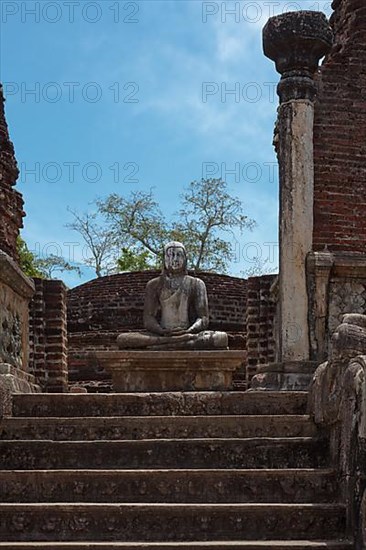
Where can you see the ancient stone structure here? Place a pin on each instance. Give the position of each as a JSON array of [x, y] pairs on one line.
[[176, 317], [99, 310], [337, 267], [11, 202], [176, 313], [340, 136], [219, 469], [48, 335], [337, 403], [202, 470], [179, 370], [295, 41], [260, 312], [16, 289]]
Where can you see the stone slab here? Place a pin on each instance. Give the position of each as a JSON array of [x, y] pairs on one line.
[[284, 376], [160, 404], [14, 381], [210, 486], [156, 427], [196, 545], [290, 367], [136, 371], [165, 453], [7, 369], [169, 522]]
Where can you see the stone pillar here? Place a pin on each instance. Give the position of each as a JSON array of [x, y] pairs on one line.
[[295, 41], [48, 335]]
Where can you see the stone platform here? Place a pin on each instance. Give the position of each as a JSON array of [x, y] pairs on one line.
[[139, 371]]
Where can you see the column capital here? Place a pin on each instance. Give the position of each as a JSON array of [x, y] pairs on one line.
[[296, 41]]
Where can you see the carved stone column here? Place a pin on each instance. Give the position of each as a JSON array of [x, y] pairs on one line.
[[319, 267], [295, 41]]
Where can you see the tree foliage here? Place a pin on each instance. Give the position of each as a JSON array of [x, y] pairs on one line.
[[44, 268], [206, 221], [99, 252], [208, 213], [136, 221], [130, 260], [53, 264], [27, 260]]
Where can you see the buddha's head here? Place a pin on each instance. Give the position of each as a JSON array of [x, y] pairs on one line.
[[175, 258]]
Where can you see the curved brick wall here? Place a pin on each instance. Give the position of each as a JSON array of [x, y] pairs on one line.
[[340, 135], [100, 309], [116, 302]]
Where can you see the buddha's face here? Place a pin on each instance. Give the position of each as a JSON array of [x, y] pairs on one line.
[[175, 259]]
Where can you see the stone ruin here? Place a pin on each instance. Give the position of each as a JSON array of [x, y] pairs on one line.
[[285, 460]]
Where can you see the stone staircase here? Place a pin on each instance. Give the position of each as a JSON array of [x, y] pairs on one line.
[[166, 471]]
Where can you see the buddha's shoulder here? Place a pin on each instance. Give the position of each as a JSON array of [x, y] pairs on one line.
[[154, 283], [195, 281]]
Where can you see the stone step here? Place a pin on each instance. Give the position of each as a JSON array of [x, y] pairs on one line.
[[167, 427], [232, 545], [210, 486], [169, 522], [160, 404], [165, 453]]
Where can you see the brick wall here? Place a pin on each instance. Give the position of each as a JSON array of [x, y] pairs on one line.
[[116, 302], [11, 202], [100, 309], [340, 135], [48, 335], [260, 319]]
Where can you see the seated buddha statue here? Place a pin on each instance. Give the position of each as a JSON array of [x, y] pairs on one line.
[[175, 310]]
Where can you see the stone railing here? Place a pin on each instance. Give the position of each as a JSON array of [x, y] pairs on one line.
[[337, 402]]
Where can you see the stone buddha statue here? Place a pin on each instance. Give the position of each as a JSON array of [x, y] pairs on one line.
[[175, 311]]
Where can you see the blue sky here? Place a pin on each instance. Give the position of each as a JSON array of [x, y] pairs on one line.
[[115, 96]]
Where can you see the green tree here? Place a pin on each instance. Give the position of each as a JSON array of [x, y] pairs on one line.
[[44, 268], [209, 214], [136, 222], [53, 264], [27, 260], [130, 260]]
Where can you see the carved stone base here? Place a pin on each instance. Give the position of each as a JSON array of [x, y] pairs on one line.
[[14, 380], [289, 376], [140, 371], [16, 290]]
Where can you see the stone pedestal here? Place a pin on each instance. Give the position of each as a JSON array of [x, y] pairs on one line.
[[144, 371]]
